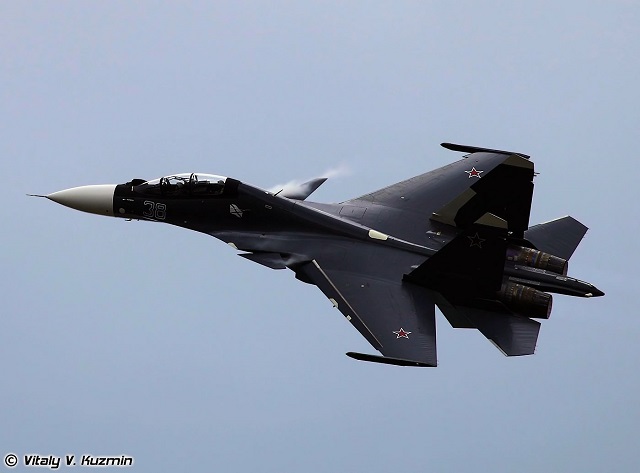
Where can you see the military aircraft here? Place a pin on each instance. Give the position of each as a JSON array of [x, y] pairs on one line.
[[457, 237]]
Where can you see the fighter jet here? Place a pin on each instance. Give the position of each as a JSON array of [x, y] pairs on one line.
[[457, 237]]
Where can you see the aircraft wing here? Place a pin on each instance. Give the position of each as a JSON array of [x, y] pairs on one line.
[[396, 317], [486, 181]]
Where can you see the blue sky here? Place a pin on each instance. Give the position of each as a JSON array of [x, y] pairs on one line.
[[142, 339]]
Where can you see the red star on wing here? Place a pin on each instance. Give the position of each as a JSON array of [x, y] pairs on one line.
[[402, 333], [474, 173]]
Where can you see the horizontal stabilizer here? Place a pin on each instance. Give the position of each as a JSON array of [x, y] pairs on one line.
[[386, 360], [512, 334], [558, 237]]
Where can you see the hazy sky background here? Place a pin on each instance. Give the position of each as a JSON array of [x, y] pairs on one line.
[[147, 340]]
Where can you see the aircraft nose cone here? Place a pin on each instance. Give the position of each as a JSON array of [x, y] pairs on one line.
[[93, 199]]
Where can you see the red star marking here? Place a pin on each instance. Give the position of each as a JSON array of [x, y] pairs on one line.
[[474, 173], [402, 333]]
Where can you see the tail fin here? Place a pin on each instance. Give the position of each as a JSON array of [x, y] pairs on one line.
[[559, 237], [472, 262]]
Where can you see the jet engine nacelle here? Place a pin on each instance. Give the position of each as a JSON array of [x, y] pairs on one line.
[[526, 301], [537, 259]]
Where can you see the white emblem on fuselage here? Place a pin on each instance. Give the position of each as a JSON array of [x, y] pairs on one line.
[[235, 210]]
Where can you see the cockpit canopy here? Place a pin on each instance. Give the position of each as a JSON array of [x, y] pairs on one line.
[[194, 184]]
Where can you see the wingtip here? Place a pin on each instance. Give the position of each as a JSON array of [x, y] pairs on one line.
[[388, 360], [478, 149]]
